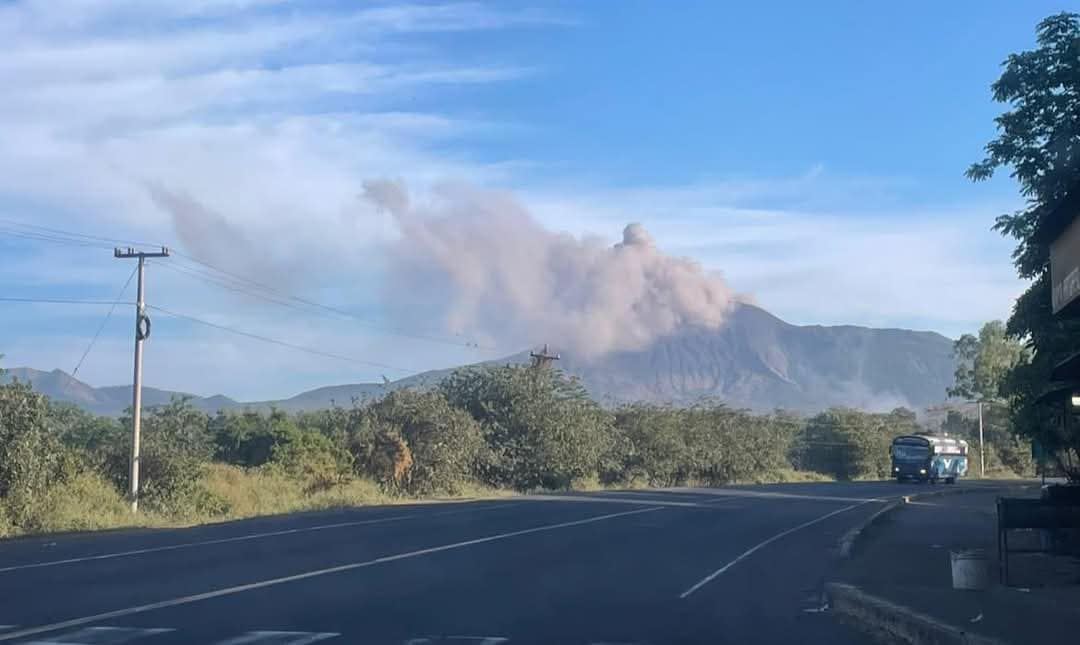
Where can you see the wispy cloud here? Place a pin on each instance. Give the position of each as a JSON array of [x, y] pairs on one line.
[[267, 116]]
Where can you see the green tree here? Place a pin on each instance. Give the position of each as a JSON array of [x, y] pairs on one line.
[[315, 458], [84, 433], [248, 438], [850, 444], [984, 362], [444, 444], [542, 428], [1038, 139], [656, 448]]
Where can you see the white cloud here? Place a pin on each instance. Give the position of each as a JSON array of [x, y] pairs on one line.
[[271, 116]]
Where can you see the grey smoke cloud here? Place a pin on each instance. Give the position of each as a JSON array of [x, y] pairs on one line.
[[480, 262], [211, 237]]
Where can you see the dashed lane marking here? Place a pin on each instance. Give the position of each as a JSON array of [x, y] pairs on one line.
[[608, 500], [280, 638], [228, 591], [244, 538], [102, 636], [747, 553], [735, 492]]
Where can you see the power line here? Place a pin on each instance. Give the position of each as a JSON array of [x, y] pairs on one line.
[[286, 299], [108, 315], [63, 301], [42, 237], [230, 286], [238, 283], [275, 341], [107, 241]]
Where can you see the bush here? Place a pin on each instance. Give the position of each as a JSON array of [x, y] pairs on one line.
[[651, 444], [727, 446], [246, 438], [314, 458], [174, 449], [846, 444], [87, 501], [542, 429], [31, 458], [7, 529], [422, 444]]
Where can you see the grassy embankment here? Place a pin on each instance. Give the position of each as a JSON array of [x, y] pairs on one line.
[[89, 502]]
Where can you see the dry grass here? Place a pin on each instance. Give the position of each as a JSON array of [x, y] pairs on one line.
[[788, 476], [89, 502]]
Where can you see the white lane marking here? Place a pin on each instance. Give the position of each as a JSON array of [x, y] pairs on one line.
[[606, 500], [227, 591], [242, 538], [483, 640], [102, 636], [280, 638], [747, 553], [734, 492]]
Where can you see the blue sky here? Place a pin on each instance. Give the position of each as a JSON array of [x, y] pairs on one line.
[[811, 153]]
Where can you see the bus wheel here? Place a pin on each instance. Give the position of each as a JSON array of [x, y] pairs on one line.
[[950, 480]]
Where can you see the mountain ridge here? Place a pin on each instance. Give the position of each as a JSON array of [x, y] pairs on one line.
[[755, 360]]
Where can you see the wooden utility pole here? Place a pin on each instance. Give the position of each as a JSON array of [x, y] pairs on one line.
[[543, 358], [142, 332], [982, 452]]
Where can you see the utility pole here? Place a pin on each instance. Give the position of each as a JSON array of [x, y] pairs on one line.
[[982, 453], [543, 358], [142, 332]]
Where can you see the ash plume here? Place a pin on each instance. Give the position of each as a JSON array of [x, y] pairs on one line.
[[480, 263]]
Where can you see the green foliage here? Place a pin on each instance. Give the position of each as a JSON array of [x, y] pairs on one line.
[[310, 456], [849, 444], [31, 458], [444, 444], [482, 430], [248, 438], [174, 449], [984, 362], [542, 429], [727, 446], [1037, 139], [652, 446], [83, 502]]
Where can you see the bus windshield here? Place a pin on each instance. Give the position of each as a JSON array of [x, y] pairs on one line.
[[910, 453]]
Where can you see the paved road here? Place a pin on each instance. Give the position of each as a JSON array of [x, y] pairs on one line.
[[732, 565]]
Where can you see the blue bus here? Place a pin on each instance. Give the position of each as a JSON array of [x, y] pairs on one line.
[[929, 458]]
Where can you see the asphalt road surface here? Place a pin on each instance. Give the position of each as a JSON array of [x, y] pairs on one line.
[[732, 565]]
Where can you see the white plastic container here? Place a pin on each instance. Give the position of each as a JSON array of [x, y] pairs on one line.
[[970, 569]]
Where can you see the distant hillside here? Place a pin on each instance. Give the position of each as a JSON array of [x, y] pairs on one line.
[[755, 361], [760, 362]]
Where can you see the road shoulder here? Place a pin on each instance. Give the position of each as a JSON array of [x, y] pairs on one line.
[[898, 582]]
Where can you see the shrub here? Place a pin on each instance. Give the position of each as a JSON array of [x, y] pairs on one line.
[[651, 443], [31, 458], [86, 501], [312, 457], [421, 444], [174, 449], [542, 429]]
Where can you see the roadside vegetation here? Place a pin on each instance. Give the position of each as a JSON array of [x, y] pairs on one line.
[[480, 432], [1036, 143]]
